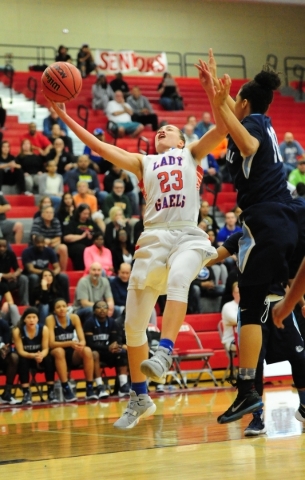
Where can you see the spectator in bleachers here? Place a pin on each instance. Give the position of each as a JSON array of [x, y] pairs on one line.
[[118, 83], [65, 161], [99, 164], [49, 227], [102, 337], [90, 289], [38, 257], [83, 196], [62, 55], [291, 151], [85, 61], [11, 273], [120, 112], [32, 345], [51, 183], [8, 362], [9, 310], [117, 222], [237, 210], [68, 347], [45, 294], [45, 201], [142, 109], [219, 268], [65, 209], [205, 124], [98, 253], [170, 97], [211, 173], [122, 250], [191, 120], [298, 174], [31, 164], [117, 198], [130, 191], [219, 152], [11, 172], [83, 172], [40, 143], [204, 285], [119, 285], [189, 134], [10, 230], [62, 132], [229, 315], [56, 133], [204, 214], [228, 229], [101, 93], [78, 235]]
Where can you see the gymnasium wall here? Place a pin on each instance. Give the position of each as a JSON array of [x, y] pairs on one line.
[[253, 30]]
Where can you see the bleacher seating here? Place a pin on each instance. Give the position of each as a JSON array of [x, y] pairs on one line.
[[286, 114]]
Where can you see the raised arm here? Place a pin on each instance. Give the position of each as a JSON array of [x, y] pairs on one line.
[[246, 144], [213, 137], [119, 157], [213, 70], [283, 308]]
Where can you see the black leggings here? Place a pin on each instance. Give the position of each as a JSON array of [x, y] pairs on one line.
[[26, 364], [76, 253]]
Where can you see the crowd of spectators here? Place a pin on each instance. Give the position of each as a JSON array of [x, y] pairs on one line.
[[90, 216]]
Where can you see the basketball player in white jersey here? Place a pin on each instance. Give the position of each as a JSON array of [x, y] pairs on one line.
[[171, 250]]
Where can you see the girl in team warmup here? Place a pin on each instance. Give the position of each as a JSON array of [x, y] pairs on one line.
[[171, 250]]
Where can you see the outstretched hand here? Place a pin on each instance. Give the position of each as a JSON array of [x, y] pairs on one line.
[[223, 90], [213, 68], [205, 77]]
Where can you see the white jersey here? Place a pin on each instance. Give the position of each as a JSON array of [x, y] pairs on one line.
[[170, 186]]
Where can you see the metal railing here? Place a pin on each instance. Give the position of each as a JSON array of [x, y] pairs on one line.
[[32, 87], [9, 73], [83, 114], [225, 63], [294, 71], [272, 60]]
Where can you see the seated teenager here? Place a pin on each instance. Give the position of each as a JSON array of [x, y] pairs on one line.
[[32, 345], [69, 350]]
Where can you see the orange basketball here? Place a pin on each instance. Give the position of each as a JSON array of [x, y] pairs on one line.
[[61, 82]]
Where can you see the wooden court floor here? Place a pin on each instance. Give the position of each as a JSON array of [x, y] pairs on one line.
[[181, 441]]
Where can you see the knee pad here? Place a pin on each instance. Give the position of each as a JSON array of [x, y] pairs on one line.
[[134, 337], [179, 294]]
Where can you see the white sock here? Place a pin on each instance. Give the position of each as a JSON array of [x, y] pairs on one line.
[[98, 381], [122, 380]]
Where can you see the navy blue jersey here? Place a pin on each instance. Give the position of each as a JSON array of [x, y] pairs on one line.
[[232, 245], [259, 177], [104, 333], [32, 344], [63, 334]]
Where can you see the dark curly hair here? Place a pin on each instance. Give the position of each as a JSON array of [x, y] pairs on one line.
[[259, 92]]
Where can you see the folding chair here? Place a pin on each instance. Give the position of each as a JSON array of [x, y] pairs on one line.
[[230, 374], [188, 348]]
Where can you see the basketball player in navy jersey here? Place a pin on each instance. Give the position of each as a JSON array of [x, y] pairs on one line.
[[268, 213], [278, 345], [171, 250]]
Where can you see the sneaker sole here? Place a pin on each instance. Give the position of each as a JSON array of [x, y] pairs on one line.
[[70, 400], [150, 411], [103, 395], [146, 370], [299, 417], [92, 397], [121, 395], [238, 415], [255, 433]]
